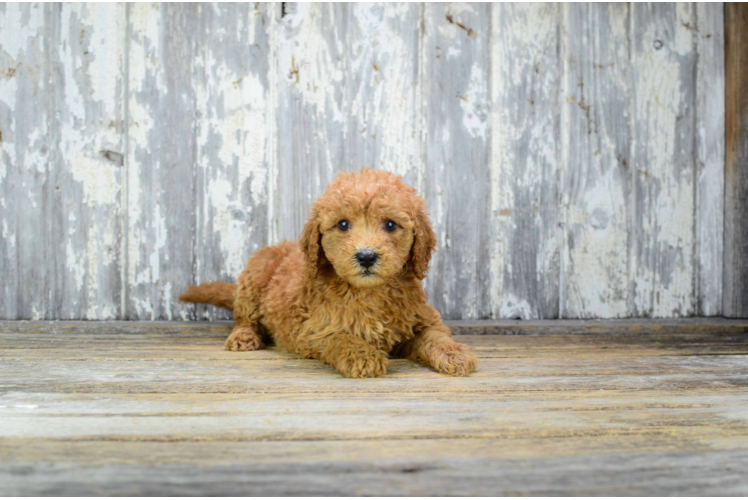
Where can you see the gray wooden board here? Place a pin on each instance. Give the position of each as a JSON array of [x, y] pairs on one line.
[[456, 64], [663, 61], [596, 158], [144, 408], [570, 155], [160, 162], [85, 177], [525, 93], [735, 298], [26, 156], [234, 132], [710, 157], [312, 108], [649, 474]]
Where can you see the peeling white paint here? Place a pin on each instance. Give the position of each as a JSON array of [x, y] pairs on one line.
[[231, 233], [317, 71], [514, 307], [475, 104], [144, 241], [710, 156], [346, 76], [523, 156], [663, 271], [596, 95], [10, 22], [97, 176]]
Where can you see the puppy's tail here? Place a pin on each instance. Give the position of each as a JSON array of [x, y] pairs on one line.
[[216, 293]]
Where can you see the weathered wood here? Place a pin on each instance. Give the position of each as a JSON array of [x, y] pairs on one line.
[[710, 156], [524, 262], [735, 298], [152, 408], [234, 133], [160, 162], [382, 115], [605, 474], [663, 59], [312, 109], [347, 99], [595, 170], [168, 149], [85, 178], [456, 63], [705, 326], [26, 152]]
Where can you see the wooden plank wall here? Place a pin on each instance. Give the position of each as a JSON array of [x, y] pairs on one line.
[[736, 162], [571, 154]]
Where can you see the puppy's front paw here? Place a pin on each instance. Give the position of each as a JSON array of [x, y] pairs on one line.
[[363, 364], [244, 338], [452, 358]]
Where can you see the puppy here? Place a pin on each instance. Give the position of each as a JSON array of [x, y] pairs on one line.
[[349, 292]]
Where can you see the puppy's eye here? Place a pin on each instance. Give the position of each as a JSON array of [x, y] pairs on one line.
[[390, 226], [344, 225]]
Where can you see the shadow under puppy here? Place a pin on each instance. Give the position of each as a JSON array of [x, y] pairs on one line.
[[349, 292]]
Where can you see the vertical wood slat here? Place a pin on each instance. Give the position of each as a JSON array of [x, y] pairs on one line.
[[312, 124], [367, 95], [457, 117], [161, 157], [710, 155], [735, 298], [347, 97], [526, 74], [595, 161], [234, 134], [24, 158], [382, 101], [85, 178], [663, 67]]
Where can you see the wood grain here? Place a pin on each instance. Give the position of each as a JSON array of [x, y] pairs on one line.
[[525, 248], [456, 64], [88, 68], [596, 158], [347, 98], [383, 116], [312, 111], [570, 155], [161, 408], [710, 157], [662, 274], [160, 159], [26, 155], [735, 298], [234, 122]]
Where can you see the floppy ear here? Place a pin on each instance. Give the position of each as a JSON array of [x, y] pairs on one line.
[[423, 243], [310, 243]]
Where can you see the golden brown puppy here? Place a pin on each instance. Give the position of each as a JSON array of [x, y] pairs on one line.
[[349, 293]]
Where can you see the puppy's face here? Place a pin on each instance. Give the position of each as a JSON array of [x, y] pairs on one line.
[[369, 227], [366, 246]]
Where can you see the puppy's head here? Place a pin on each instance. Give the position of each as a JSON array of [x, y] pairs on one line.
[[368, 227]]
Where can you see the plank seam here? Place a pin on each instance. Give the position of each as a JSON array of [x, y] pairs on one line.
[[697, 303], [124, 195]]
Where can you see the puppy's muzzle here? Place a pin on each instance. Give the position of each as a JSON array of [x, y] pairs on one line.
[[367, 258]]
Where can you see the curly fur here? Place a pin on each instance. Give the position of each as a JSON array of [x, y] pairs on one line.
[[313, 298]]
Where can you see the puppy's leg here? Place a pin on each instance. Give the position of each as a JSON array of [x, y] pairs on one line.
[[350, 355], [434, 347], [245, 335]]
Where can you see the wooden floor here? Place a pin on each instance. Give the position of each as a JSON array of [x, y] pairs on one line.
[[599, 408]]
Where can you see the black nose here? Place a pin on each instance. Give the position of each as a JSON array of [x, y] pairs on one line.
[[367, 258]]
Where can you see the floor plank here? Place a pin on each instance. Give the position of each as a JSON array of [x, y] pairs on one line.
[[658, 408]]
